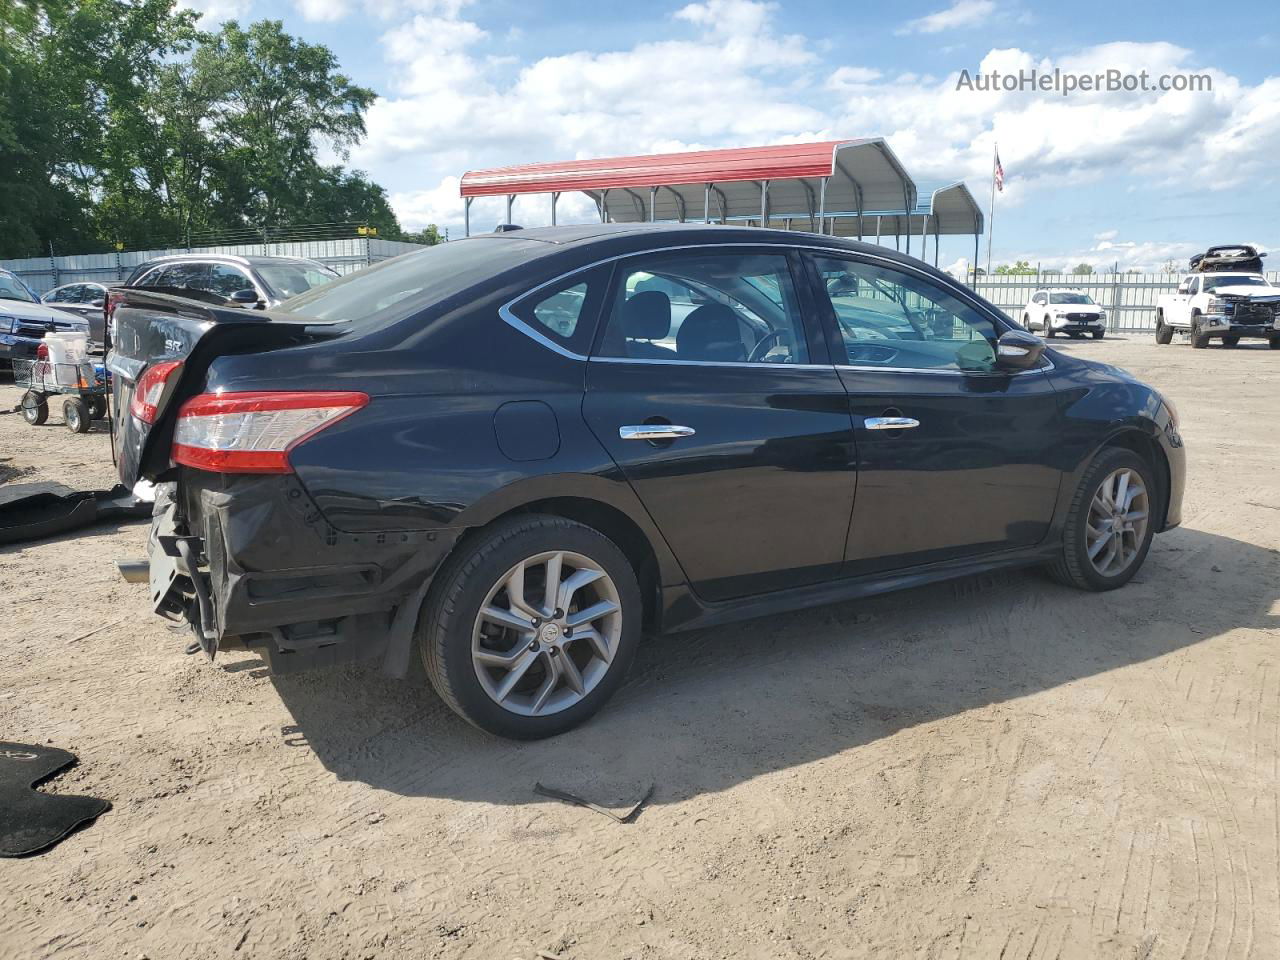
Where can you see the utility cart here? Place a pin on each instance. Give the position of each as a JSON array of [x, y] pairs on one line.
[[83, 384]]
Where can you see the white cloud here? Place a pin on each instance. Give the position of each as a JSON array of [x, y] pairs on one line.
[[729, 77], [332, 10], [323, 10], [963, 13], [215, 11]]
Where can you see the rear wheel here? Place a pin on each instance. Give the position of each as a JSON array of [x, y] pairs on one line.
[[1099, 334], [1164, 332], [1199, 339], [76, 412], [1274, 343], [97, 407], [35, 409], [532, 627], [1230, 341], [1109, 523]]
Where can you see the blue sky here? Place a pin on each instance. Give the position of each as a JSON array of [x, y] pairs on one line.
[[1134, 178]]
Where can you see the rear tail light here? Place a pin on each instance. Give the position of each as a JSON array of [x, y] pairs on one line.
[[254, 432], [146, 395]]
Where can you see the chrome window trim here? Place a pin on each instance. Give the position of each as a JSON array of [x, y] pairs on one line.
[[1000, 322]]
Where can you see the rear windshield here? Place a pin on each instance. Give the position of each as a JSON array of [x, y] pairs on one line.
[[1069, 298], [11, 288], [290, 279], [401, 287]]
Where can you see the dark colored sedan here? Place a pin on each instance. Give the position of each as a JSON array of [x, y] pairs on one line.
[[517, 453]]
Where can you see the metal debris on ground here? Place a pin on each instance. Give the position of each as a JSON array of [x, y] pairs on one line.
[[566, 797]]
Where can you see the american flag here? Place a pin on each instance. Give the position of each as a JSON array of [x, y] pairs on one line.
[[999, 174]]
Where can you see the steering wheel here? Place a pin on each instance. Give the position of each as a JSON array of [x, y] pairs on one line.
[[758, 351]]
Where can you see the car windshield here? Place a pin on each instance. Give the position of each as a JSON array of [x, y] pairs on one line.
[[1069, 298], [400, 287], [290, 279], [11, 288], [1239, 280]]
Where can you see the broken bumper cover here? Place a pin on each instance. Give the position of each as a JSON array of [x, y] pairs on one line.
[[251, 562]]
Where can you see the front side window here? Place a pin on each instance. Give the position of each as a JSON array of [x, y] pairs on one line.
[[179, 276], [62, 295], [706, 307], [290, 279], [224, 280], [895, 319]]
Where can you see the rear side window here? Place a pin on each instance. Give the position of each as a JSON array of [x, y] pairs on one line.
[[564, 311]]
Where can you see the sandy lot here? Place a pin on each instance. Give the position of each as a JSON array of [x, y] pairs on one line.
[[997, 767]]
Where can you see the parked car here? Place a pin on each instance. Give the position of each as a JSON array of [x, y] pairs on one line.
[[86, 299], [491, 451], [1223, 305], [24, 320], [1071, 312], [245, 282]]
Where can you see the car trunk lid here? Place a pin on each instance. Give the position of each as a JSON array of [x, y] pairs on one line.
[[166, 343]]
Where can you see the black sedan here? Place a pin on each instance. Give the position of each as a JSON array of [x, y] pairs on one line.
[[516, 454]]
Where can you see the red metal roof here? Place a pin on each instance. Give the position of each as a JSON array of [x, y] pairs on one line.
[[784, 161]]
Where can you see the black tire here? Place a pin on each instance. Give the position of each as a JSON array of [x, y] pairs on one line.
[[76, 412], [1049, 332], [445, 629], [1274, 343], [1230, 341], [1164, 332], [97, 407], [1026, 321], [1072, 567], [1099, 334], [35, 408], [1199, 339]]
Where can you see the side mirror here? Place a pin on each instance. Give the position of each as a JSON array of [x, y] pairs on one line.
[[1018, 350], [99, 303], [244, 297]]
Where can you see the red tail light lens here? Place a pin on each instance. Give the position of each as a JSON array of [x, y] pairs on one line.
[[254, 432], [149, 389]]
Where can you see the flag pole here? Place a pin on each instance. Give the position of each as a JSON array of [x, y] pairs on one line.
[[991, 215]]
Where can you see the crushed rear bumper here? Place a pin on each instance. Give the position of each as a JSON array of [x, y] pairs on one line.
[[250, 561]]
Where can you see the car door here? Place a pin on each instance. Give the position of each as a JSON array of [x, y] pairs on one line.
[[1181, 302], [955, 457], [733, 429]]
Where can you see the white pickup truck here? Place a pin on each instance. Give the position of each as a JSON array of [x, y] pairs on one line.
[[1224, 304]]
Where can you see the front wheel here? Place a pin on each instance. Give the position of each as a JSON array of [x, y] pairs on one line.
[[1109, 524], [76, 412], [1164, 332], [1099, 334], [1230, 341], [531, 627], [1199, 339], [1274, 343]]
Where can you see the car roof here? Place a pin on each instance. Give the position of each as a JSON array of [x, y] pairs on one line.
[[243, 261]]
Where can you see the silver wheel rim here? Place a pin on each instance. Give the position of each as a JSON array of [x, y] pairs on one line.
[[1117, 522], [546, 633]]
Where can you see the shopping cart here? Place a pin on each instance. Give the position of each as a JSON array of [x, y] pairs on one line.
[[84, 383]]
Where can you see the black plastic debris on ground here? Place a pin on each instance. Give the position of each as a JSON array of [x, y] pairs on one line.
[[32, 511], [31, 821]]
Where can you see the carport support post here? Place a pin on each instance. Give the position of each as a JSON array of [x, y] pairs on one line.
[[653, 204], [924, 236], [511, 198], [466, 216], [706, 203], [878, 219], [555, 197], [764, 203], [604, 197], [822, 204]]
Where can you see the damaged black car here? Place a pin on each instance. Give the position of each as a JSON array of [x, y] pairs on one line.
[[514, 455]]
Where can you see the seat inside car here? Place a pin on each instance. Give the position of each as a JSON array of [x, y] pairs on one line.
[[646, 317], [711, 333]]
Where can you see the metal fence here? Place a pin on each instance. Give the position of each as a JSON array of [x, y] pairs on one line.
[[42, 274], [1129, 298]]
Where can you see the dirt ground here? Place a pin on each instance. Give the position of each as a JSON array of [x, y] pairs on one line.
[[996, 767]]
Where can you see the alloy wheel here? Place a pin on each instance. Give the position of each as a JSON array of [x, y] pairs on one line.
[[1117, 523], [547, 633]]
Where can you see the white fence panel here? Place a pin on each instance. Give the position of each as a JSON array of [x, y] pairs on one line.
[[42, 274], [1129, 298]]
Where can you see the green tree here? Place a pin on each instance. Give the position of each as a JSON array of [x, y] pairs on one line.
[[1081, 270], [274, 99], [1019, 268]]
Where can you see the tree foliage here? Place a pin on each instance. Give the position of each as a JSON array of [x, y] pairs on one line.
[[122, 122], [1020, 268], [1082, 270]]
